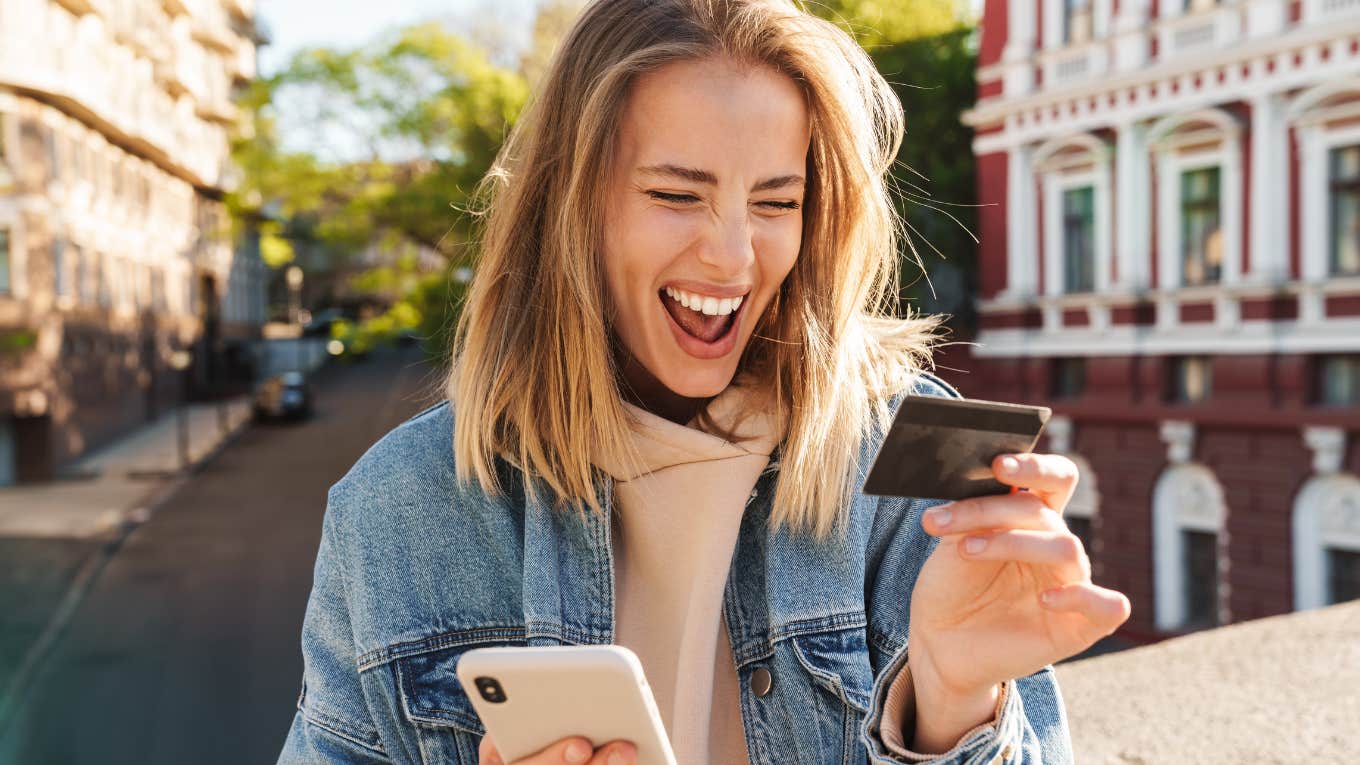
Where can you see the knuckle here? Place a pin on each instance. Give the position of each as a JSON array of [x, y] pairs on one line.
[[1071, 547], [1051, 518]]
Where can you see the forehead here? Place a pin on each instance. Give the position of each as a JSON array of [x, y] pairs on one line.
[[716, 114]]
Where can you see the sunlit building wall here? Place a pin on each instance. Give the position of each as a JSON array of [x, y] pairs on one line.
[[115, 246], [1170, 259]]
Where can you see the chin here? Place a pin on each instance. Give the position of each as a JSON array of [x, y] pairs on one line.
[[693, 383]]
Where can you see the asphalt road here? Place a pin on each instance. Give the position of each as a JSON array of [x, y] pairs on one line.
[[186, 649]]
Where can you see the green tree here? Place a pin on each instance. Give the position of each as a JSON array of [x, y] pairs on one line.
[[927, 50]]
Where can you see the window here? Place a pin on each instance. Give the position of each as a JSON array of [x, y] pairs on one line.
[[1068, 377], [4, 261], [1201, 232], [1201, 578], [1077, 21], [1339, 380], [1345, 195], [1343, 575], [1079, 223], [101, 280], [59, 285], [82, 282], [158, 290], [1189, 379]]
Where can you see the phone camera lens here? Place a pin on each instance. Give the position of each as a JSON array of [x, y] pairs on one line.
[[490, 690]]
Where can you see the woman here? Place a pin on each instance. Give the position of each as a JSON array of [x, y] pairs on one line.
[[671, 373]]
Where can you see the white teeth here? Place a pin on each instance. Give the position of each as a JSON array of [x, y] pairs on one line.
[[710, 306]]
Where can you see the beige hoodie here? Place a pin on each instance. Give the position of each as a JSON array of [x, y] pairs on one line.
[[675, 524]]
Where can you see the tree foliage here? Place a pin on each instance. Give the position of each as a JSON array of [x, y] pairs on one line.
[[377, 149]]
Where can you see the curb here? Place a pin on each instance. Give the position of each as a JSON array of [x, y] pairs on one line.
[[89, 571]]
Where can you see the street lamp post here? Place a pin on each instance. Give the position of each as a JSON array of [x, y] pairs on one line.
[[179, 361]]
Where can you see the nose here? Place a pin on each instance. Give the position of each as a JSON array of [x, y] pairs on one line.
[[729, 250]]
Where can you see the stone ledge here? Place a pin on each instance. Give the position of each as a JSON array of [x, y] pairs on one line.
[[1281, 689]]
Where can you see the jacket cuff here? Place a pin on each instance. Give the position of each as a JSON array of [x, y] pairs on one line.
[[890, 725]]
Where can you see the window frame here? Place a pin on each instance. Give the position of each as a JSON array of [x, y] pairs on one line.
[[1211, 204], [1187, 496], [1349, 186]]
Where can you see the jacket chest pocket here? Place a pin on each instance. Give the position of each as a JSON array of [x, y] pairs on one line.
[[839, 682], [446, 728]]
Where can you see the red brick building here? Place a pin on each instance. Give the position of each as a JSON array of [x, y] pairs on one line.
[[1170, 259]]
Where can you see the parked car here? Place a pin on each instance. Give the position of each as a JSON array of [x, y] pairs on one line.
[[287, 395]]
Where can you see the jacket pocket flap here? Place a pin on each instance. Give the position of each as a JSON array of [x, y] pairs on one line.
[[838, 661], [430, 690]]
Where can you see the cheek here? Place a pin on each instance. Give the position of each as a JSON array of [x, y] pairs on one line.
[[644, 243], [779, 251]]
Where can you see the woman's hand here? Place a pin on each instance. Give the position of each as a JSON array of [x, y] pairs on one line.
[[1021, 602], [568, 751]]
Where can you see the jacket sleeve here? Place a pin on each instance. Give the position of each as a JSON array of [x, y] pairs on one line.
[[332, 723], [1030, 725]]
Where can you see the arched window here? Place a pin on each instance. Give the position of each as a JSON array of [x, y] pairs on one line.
[[1075, 173], [1327, 526], [1189, 552], [1198, 186], [1326, 121]]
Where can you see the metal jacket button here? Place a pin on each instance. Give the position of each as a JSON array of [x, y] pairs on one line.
[[761, 681]]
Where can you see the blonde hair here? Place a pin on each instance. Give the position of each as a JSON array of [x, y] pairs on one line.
[[534, 380]]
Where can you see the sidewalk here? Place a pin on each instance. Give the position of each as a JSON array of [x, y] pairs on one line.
[[56, 537], [97, 493]]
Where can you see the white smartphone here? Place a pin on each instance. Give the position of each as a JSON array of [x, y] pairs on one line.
[[532, 697]]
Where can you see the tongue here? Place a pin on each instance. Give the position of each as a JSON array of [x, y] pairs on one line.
[[702, 326]]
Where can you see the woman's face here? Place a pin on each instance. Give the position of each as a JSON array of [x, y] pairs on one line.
[[704, 220]]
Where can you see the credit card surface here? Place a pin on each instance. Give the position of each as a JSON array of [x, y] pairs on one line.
[[942, 448]]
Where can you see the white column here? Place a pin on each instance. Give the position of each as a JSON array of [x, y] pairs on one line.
[[1018, 79], [1132, 200], [1168, 228], [1232, 203], [1130, 35], [1053, 24], [1103, 223], [1269, 179], [1266, 18], [1313, 204], [1021, 245]]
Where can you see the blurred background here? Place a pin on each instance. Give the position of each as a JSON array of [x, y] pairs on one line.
[[233, 240]]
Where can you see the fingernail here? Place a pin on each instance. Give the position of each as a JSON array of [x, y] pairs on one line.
[[941, 515], [1010, 465], [616, 757], [577, 752], [1048, 596], [974, 545]]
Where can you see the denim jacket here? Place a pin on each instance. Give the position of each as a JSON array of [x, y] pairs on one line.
[[414, 569]]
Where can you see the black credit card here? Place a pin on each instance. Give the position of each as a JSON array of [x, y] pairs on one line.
[[942, 448]]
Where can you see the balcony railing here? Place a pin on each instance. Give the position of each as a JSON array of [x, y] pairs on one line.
[[1065, 65], [1198, 32], [1316, 11]]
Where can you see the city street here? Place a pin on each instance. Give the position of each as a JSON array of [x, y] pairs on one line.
[[186, 647]]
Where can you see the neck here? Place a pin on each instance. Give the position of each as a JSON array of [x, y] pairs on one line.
[[643, 390]]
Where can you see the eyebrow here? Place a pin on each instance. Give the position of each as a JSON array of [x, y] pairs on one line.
[[705, 177]]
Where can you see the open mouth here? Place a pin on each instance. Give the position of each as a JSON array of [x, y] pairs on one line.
[[706, 319]]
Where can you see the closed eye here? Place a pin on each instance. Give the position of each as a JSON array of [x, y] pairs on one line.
[[673, 198]]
